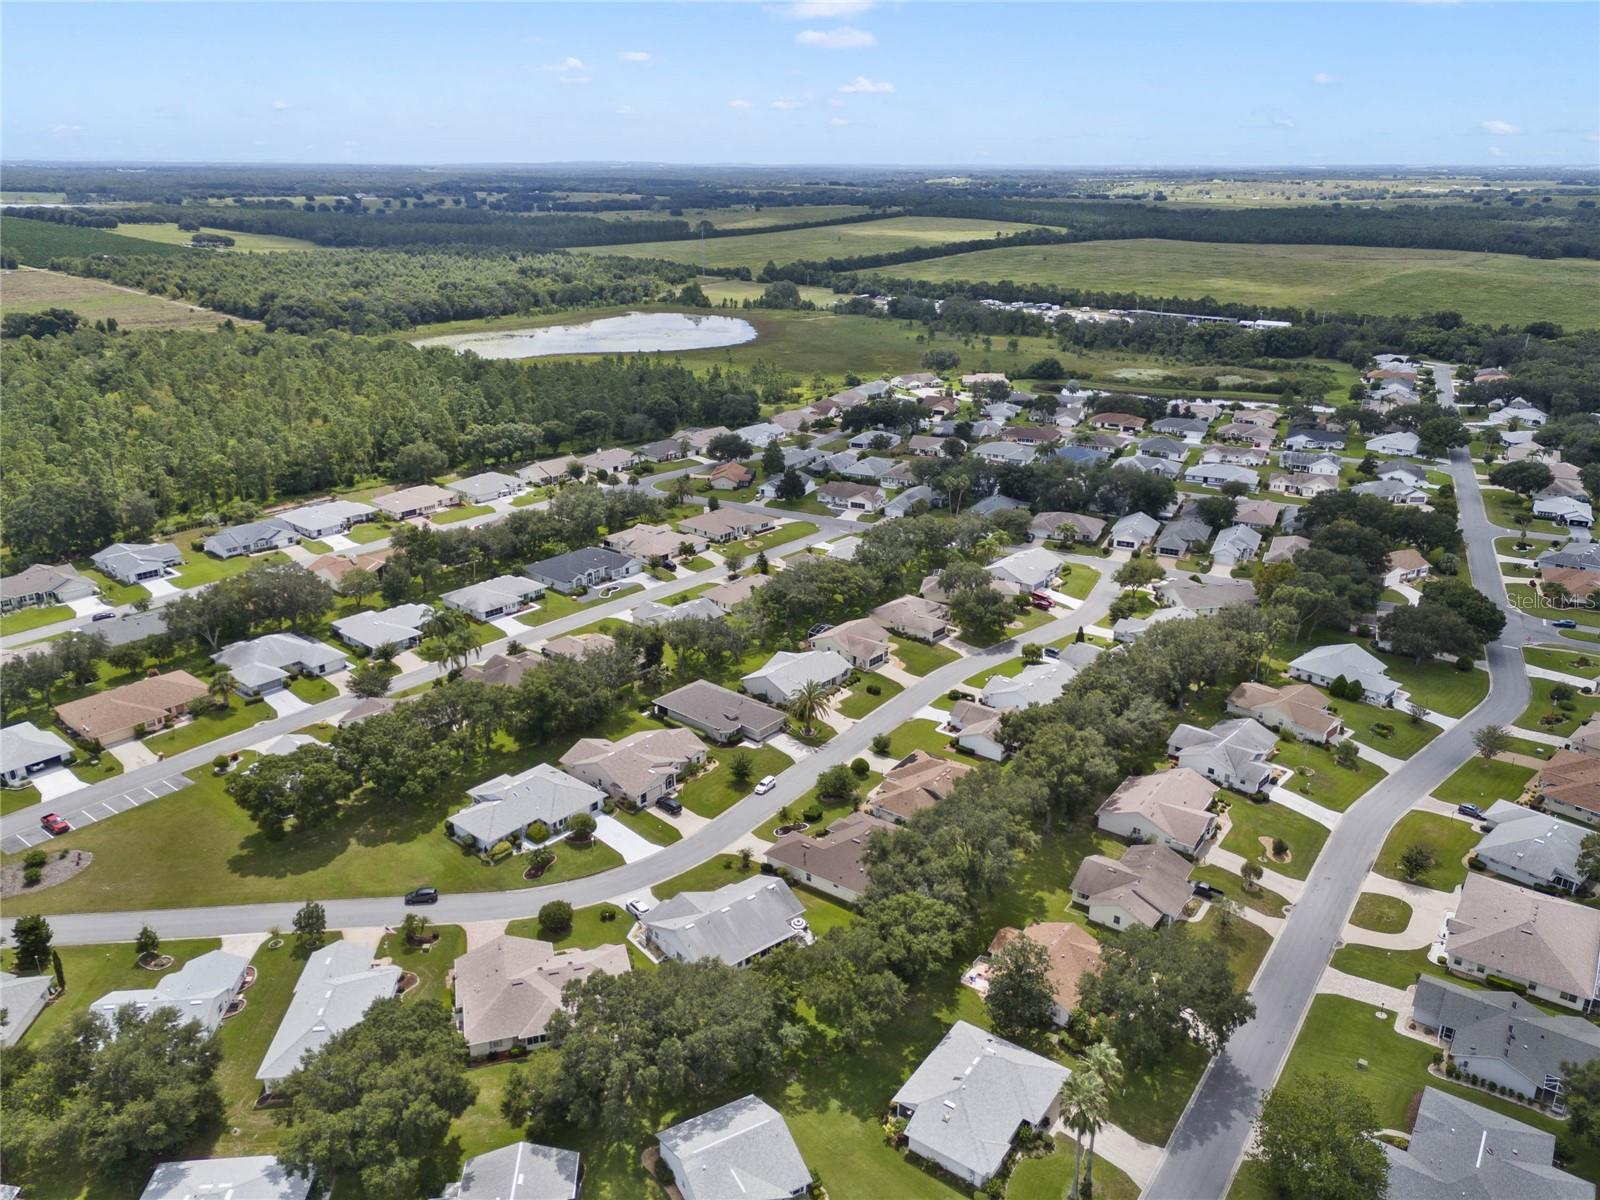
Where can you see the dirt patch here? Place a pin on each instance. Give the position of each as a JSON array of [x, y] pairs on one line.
[[56, 870], [536, 872], [1266, 852], [31, 289]]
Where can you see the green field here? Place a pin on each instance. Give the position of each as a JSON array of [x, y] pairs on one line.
[[35, 243], [169, 234], [1251, 822], [755, 250], [744, 218], [96, 300], [1481, 287]]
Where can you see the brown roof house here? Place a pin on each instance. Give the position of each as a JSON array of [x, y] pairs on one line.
[[120, 713], [641, 768], [835, 864], [1297, 708], [1569, 784], [1586, 738], [729, 476], [720, 714], [1172, 807], [914, 617], [1405, 565], [507, 990], [1580, 584], [977, 728], [506, 670], [1121, 422], [578, 645], [1549, 946], [1149, 886], [918, 781], [863, 642], [1074, 952]]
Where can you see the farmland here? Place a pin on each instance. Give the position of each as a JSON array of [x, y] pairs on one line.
[[35, 243], [1481, 287], [170, 235], [95, 300], [746, 218]]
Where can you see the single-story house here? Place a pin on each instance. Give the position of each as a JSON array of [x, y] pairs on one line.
[[497, 597], [1039, 683], [1457, 1148], [1033, 569], [1586, 738], [834, 864], [1246, 434], [135, 562], [1393, 491], [1404, 443], [486, 486], [1068, 526], [254, 537], [869, 439], [662, 450], [328, 518], [1072, 951], [202, 990], [336, 987], [1257, 514], [1117, 422], [737, 924], [736, 591], [649, 542], [993, 503], [502, 808], [743, 1149], [874, 469], [257, 1176], [1297, 709], [1262, 418], [781, 677], [22, 999], [699, 439], [1239, 456], [1322, 665], [725, 525], [332, 568], [907, 500], [399, 627], [1565, 510], [578, 646], [578, 570], [914, 617], [122, 712], [416, 501], [1405, 565], [267, 663], [696, 609], [1172, 807], [1531, 848], [916, 782], [43, 584], [1234, 545], [25, 750], [522, 1169], [1149, 886], [762, 433], [1007, 454], [1236, 754], [550, 471], [1311, 462], [1580, 585], [1582, 555], [1130, 629], [506, 990], [729, 477], [1191, 429], [1134, 532], [1547, 945], [609, 461], [966, 1102], [1147, 465], [852, 497], [1313, 439], [977, 729], [1569, 784], [720, 714], [504, 670], [1083, 456], [863, 642], [1302, 485], [924, 446], [1181, 536], [1283, 549], [1215, 474], [1030, 435], [640, 769]]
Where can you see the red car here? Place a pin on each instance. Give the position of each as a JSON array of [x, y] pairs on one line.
[[1040, 601], [55, 824]]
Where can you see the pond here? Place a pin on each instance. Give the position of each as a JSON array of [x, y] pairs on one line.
[[632, 333]]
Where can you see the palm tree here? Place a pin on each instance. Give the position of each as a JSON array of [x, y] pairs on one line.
[[1081, 1093], [807, 703], [1102, 1061], [444, 621], [221, 687]]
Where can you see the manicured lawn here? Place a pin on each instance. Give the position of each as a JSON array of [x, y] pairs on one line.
[[697, 563], [1380, 913], [832, 810], [1405, 737], [1253, 821], [1262, 900], [920, 658], [1010, 669], [1245, 944], [316, 546], [1050, 1177], [648, 826], [1319, 778], [1483, 781], [211, 724], [1585, 665], [92, 971], [36, 617], [1438, 685], [776, 537], [430, 962], [860, 701], [717, 871], [366, 532], [1077, 580], [925, 735], [461, 512], [199, 568], [312, 689], [714, 790], [1451, 840], [1524, 598], [806, 504], [1572, 712], [15, 799], [112, 592], [553, 604], [1396, 968]]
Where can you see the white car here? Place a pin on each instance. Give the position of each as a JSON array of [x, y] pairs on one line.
[[766, 785], [638, 906]]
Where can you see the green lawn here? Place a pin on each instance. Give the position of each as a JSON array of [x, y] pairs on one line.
[[806, 504], [1438, 685], [832, 810], [200, 568], [648, 825], [1584, 665], [1253, 821], [1396, 968], [925, 735], [1050, 1177], [1077, 580], [1380, 913], [365, 532], [1318, 778], [1406, 735], [792, 531], [113, 593], [312, 688], [1450, 839], [1525, 599], [714, 790], [860, 701], [211, 724], [1563, 718], [553, 605], [920, 658], [1483, 781], [461, 512], [1261, 899], [15, 799], [36, 617], [429, 962]]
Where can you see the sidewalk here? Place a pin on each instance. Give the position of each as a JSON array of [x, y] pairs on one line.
[[1325, 817], [1289, 889]]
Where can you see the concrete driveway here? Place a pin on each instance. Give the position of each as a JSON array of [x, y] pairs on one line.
[[623, 840], [55, 783], [132, 754], [284, 702]]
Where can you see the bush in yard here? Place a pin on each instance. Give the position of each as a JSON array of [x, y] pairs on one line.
[[1415, 860], [1279, 847], [836, 783], [812, 814], [874, 690], [538, 832], [741, 768], [35, 858], [541, 859], [311, 924], [581, 827], [32, 876], [500, 851], [880, 743], [555, 919], [148, 943], [1346, 756], [859, 767], [1382, 729], [31, 937], [1463, 663]]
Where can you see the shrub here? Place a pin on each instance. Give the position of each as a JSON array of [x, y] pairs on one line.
[[812, 814], [880, 743], [555, 919], [31, 876], [859, 767], [35, 858], [874, 690], [1463, 663], [538, 832], [1383, 729], [1279, 847], [581, 827], [500, 851], [607, 914]]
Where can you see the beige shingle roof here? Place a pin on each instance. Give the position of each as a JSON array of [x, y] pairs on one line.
[[1526, 935]]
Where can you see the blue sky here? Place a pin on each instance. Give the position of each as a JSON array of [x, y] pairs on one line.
[[819, 81]]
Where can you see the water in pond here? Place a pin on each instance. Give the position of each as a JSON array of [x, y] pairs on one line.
[[635, 332]]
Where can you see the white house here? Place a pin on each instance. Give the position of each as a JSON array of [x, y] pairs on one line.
[[486, 486], [22, 999], [1234, 753], [1033, 569], [335, 989], [1172, 807], [267, 663], [1322, 665], [399, 627], [1134, 532], [497, 597], [1404, 444], [136, 562], [202, 990], [1531, 847], [25, 750], [738, 923], [1549, 946], [1564, 510], [502, 808], [780, 678], [741, 1150], [1215, 474], [328, 518], [1234, 545]]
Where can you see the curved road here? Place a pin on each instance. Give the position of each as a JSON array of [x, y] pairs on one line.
[[1211, 1137]]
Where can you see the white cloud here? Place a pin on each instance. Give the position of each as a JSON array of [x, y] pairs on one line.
[[1503, 128], [740, 104], [624, 109], [845, 37], [636, 56], [1283, 122], [566, 64], [821, 10], [785, 104], [862, 84], [838, 122], [1324, 78], [279, 105], [65, 130]]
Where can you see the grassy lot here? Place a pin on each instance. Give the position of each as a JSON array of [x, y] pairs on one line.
[[789, 532], [920, 658], [806, 504], [1339, 1031], [714, 791], [925, 735], [1483, 287], [430, 962], [36, 617], [169, 234], [1407, 735], [15, 799], [461, 512], [1380, 913], [1251, 822], [648, 825], [1451, 840], [35, 243], [860, 702], [312, 689], [1438, 685], [1077, 580], [1050, 1177], [200, 568], [111, 591], [1262, 900], [1584, 665], [553, 605], [832, 810], [211, 724], [1245, 945], [1572, 712], [1525, 599], [366, 532], [1482, 782], [1318, 778], [1396, 968]]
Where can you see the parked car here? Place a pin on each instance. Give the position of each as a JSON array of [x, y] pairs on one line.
[[1052, 652], [1565, 623], [54, 824], [768, 782], [670, 805], [423, 895], [1041, 601], [638, 906], [1207, 890], [104, 616], [1470, 810]]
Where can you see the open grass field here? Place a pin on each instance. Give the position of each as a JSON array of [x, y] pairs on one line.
[[35, 617], [1482, 287], [30, 290], [755, 250], [35, 243], [1543, 709], [1319, 778], [920, 658], [1450, 841], [1586, 666], [169, 234]]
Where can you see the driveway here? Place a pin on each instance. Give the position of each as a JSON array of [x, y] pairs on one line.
[[132, 754], [284, 702], [623, 840], [161, 588], [55, 783], [88, 606], [338, 543]]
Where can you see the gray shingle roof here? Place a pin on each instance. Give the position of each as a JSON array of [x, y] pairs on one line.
[[1463, 1151], [334, 991], [257, 1177], [520, 1171], [1506, 1026], [742, 1150], [733, 923]]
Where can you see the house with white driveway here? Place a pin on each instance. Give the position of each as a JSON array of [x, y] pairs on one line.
[[1148, 886], [327, 519], [137, 562], [399, 627], [254, 537], [1564, 510], [722, 715], [579, 570], [1236, 754], [1322, 665], [1033, 569], [863, 642], [1171, 807], [1405, 444], [1547, 945], [781, 677], [1134, 532], [268, 663], [640, 769], [43, 584], [1296, 709], [493, 598], [486, 486], [503, 807], [1215, 474], [1234, 545], [25, 750], [1531, 847], [737, 924], [419, 501]]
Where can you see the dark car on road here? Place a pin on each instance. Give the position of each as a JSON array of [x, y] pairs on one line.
[[54, 824], [1565, 623], [423, 895]]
